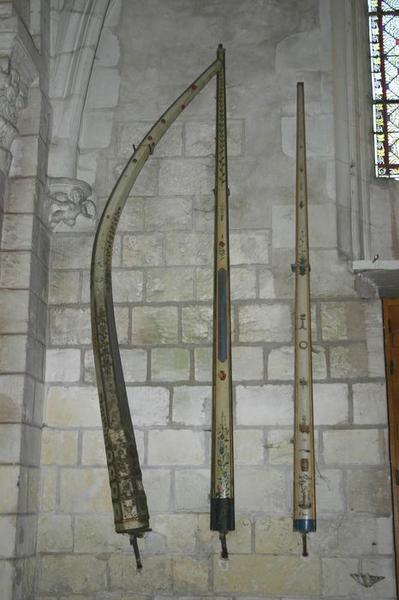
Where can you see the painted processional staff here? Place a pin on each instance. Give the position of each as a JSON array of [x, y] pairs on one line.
[[304, 520], [222, 469], [128, 496]]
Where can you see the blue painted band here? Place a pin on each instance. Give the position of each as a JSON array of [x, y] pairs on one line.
[[304, 525], [222, 316]]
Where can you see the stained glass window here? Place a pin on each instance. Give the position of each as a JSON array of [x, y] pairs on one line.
[[384, 50]]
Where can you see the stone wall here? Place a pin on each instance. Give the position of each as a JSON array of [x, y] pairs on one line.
[[24, 135], [146, 54]]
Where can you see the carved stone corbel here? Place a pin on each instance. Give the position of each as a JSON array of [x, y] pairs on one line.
[[67, 200]]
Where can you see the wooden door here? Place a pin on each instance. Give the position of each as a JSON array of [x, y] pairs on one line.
[[391, 335]]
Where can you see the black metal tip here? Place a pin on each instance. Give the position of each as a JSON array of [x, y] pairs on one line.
[[224, 553], [133, 541], [304, 545]]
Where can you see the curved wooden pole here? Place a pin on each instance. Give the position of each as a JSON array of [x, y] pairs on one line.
[[127, 491]]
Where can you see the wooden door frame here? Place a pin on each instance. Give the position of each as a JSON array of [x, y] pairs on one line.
[[393, 424]]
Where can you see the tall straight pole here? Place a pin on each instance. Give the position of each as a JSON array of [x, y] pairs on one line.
[[304, 463], [222, 477]]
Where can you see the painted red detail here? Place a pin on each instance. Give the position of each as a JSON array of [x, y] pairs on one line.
[[222, 375]]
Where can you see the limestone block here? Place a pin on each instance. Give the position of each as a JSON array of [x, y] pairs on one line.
[[10, 443], [96, 129], [142, 250], [242, 283], [48, 489], [249, 247], [132, 218], [204, 283], [348, 361], [70, 326], [67, 573], [337, 580], [248, 447], [179, 531], [133, 133], [17, 232], [369, 404], [322, 228], [247, 363], [59, 447], [84, 490], [149, 405], [200, 138], [191, 405], [170, 284], [197, 323], [72, 407], [203, 212], [103, 89], [319, 139], [170, 364], [7, 573], [168, 214], [134, 364], [279, 575], [71, 252], [190, 575], [154, 325], [96, 533], [354, 446], [62, 365], [87, 167], [267, 286], [384, 535], [55, 533], [342, 320], [185, 176], [383, 567], [157, 484], [192, 489], [157, 576], [11, 398], [64, 287], [330, 490], [8, 526], [375, 341], [330, 402], [264, 405], [127, 285], [93, 450], [238, 541], [10, 476], [369, 491], [108, 49], [281, 363], [15, 269], [261, 490], [280, 447], [25, 156], [274, 535], [265, 323], [189, 249], [176, 447], [22, 195], [203, 364]]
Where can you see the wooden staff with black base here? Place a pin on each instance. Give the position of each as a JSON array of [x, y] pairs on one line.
[[304, 463]]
